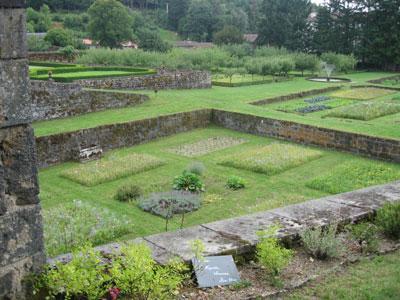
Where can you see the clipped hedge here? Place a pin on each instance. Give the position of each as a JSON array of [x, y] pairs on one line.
[[50, 64], [258, 82]]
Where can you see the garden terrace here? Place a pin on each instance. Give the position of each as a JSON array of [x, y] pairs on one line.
[[289, 183], [235, 99]]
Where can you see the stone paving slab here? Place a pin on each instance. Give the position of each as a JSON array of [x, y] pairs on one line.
[[245, 228], [372, 198], [321, 212], [179, 242]]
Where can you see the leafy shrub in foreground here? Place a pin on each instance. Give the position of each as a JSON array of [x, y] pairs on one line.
[[188, 182], [388, 219], [128, 193], [133, 274], [73, 224], [322, 243], [138, 276], [365, 234], [197, 168], [235, 183], [271, 254], [84, 276]]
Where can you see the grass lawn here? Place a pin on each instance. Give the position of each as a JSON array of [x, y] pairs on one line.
[[370, 279], [233, 99], [261, 193], [237, 78]]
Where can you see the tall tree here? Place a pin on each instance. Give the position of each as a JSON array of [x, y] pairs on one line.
[[284, 23], [110, 23]]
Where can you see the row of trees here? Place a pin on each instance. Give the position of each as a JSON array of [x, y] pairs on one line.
[[234, 58]]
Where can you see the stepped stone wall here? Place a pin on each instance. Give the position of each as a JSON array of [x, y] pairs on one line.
[[21, 235], [52, 100]]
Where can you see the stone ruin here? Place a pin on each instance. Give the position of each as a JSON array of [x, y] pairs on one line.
[[21, 234]]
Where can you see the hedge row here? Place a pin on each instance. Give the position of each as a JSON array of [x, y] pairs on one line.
[[87, 69], [239, 84], [50, 64]]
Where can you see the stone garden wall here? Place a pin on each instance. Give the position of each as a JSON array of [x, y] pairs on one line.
[[51, 100], [64, 147], [296, 95], [162, 80], [21, 235], [52, 56], [380, 148]]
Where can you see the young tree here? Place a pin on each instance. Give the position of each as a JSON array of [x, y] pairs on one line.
[[110, 23], [228, 35]]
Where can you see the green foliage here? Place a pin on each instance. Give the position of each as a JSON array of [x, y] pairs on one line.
[[188, 182], [138, 276], [39, 20], [110, 168], [59, 37], [362, 93], [228, 35], [306, 62], [71, 225], [365, 234], [198, 248], [134, 272], [196, 167], [322, 243], [271, 254], [129, 193], [354, 175], [388, 219], [235, 183], [37, 44], [109, 23], [342, 63], [83, 276], [272, 159], [150, 40], [69, 52]]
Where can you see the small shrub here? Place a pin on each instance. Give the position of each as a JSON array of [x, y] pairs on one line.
[[271, 254], [197, 168], [128, 193], [188, 182], [169, 204], [388, 219], [235, 183], [322, 243], [365, 235], [138, 276], [83, 277]]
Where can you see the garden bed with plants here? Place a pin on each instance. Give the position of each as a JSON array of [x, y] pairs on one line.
[[221, 174], [245, 80]]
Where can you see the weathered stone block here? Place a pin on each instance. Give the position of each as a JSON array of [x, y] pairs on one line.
[[18, 165], [321, 212], [246, 228], [14, 93], [13, 33], [179, 242], [12, 3], [21, 234]]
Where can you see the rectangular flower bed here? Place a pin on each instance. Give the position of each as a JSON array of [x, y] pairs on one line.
[[365, 93], [110, 168], [272, 159]]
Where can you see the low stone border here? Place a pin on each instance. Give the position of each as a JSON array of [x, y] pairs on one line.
[[380, 80], [313, 79], [237, 236], [296, 95], [382, 87]]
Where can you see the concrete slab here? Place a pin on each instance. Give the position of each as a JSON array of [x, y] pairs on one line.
[[321, 212], [245, 228], [179, 242], [372, 198]]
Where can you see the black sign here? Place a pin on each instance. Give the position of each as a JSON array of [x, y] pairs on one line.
[[215, 271]]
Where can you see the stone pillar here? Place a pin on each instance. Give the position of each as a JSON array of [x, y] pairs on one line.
[[21, 233]]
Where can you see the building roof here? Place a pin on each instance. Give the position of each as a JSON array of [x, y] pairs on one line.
[[250, 37]]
